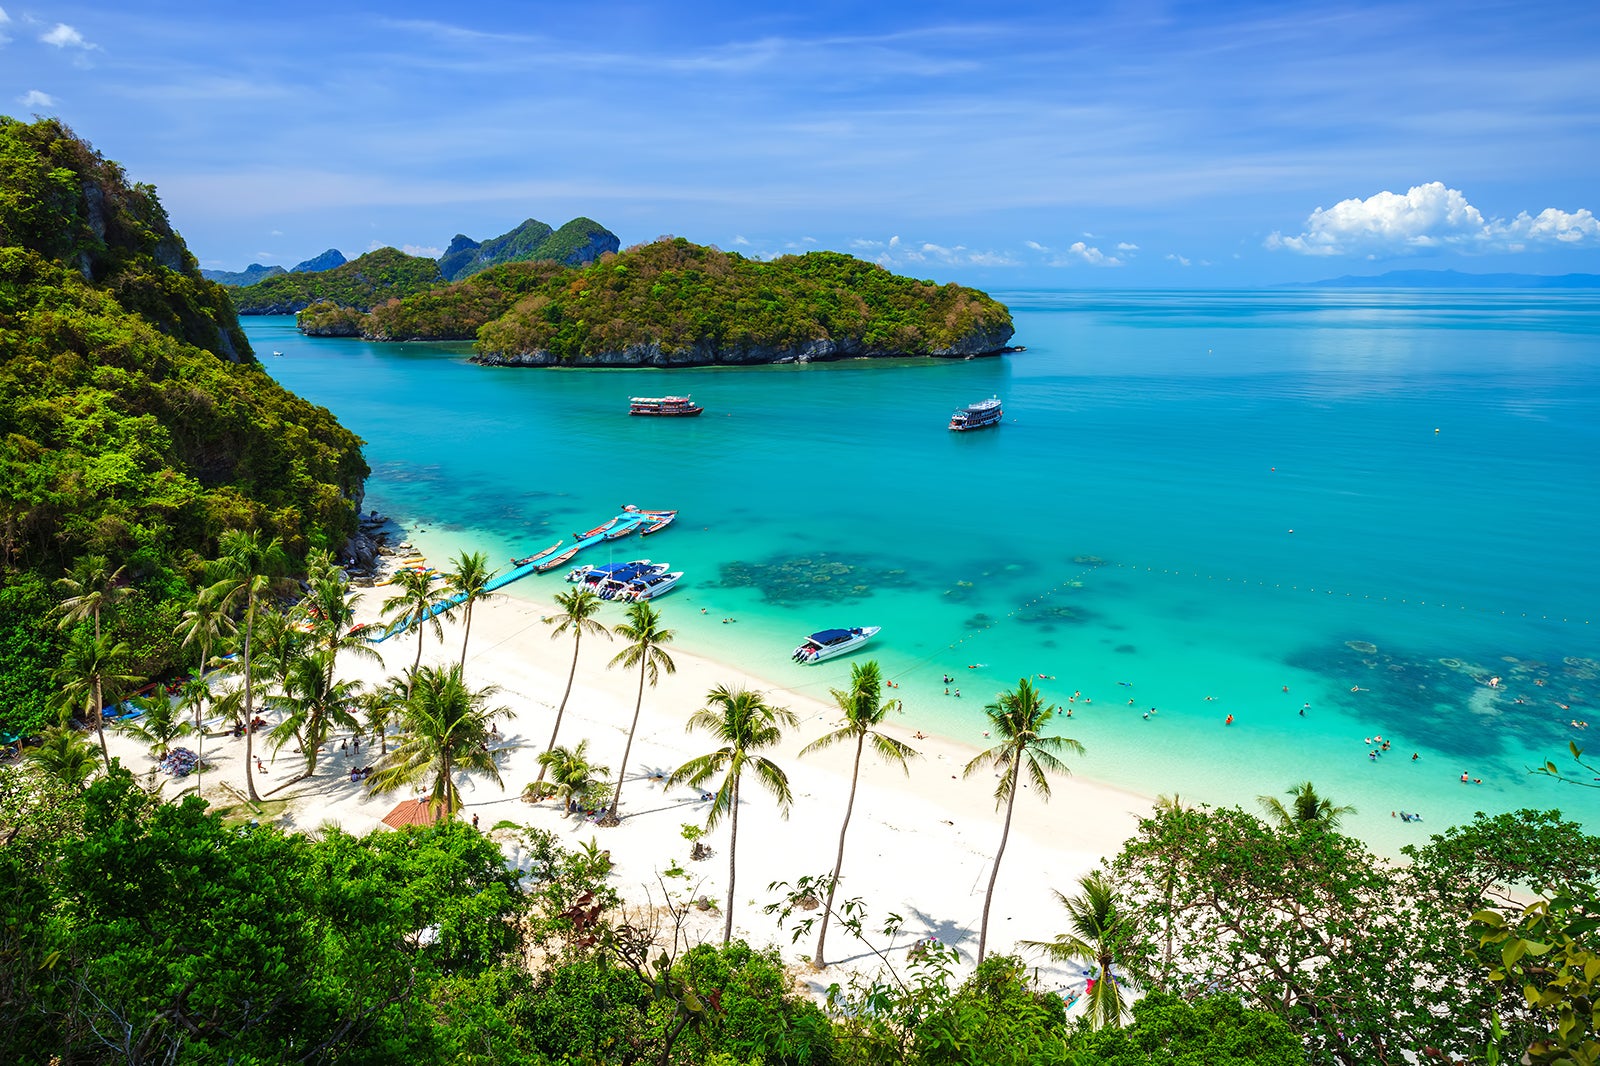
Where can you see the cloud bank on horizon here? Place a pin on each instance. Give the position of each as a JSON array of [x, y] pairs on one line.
[[1029, 145]]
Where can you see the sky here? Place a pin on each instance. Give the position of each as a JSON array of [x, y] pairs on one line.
[[1008, 145]]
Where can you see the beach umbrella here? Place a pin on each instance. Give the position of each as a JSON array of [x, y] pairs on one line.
[[413, 812]]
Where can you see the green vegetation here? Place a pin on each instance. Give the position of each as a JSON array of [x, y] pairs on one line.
[[679, 303], [135, 423], [361, 283], [579, 241]]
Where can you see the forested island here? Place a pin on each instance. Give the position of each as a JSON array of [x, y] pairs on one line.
[[674, 303], [135, 423]]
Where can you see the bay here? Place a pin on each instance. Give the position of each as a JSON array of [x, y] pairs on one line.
[[1360, 505]]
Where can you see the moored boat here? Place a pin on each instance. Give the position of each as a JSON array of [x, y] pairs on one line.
[[664, 406], [536, 556], [828, 643], [622, 529], [593, 574], [978, 415], [555, 560], [647, 587], [662, 519], [597, 530]]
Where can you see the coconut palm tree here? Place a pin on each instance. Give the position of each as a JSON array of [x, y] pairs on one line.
[[248, 569], [578, 608], [381, 706], [578, 782], [415, 605], [204, 626], [311, 705], [328, 609], [192, 699], [445, 730], [745, 723], [471, 575], [1307, 807], [1018, 718], [646, 637], [864, 711], [1094, 931], [90, 587], [158, 724], [64, 755], [90, 666]]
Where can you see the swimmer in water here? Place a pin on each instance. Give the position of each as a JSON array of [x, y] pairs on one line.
[[1228, 720]]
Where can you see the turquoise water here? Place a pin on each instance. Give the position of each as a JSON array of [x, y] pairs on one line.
[[1378, 500]]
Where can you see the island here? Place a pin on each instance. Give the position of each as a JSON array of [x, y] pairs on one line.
[[673, 303]]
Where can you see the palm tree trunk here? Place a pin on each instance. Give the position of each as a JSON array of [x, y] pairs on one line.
[[100, 721], [817, 961], [577, 641], [465, 634], [616, 794], [733, 847], [994, 875], [249, 699], [417, 665]]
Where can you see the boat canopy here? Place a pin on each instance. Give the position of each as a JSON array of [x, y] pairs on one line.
[[833, 636]]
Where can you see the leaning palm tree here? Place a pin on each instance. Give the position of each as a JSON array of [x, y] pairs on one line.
[[1094, 931], [1018, 718], [745, 723], [645, 637], [578, 608], [863, 713], [63, 754], [445, 730], [90, 666], [90, 587], [248, 570], [311, 706], [469, 582], [415, 605], [1307, 807], [573, 778]]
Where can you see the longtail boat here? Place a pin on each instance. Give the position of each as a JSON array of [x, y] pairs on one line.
[[555, 561], [662, 519], [536, 556]]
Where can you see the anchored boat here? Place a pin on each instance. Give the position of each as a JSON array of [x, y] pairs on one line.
[[664, 406], [829, 643], [644, 587], [978, 415]]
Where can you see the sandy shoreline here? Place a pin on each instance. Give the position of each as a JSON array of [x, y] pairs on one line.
[[919, 845]]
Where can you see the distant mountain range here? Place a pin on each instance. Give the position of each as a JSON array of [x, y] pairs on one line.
[[580, 241], [1451, 279]]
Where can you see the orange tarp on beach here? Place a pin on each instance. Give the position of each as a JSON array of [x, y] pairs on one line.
[[414, 812]]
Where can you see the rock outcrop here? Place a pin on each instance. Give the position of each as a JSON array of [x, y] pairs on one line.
[[326, 261]]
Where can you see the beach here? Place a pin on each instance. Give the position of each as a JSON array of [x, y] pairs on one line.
[[919, 845]]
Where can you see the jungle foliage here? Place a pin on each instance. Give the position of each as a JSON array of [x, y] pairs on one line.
[[360, 283], [135, 423]]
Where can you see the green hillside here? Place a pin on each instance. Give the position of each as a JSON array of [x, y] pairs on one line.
[[135, 422], [361, 283], [580, 241]]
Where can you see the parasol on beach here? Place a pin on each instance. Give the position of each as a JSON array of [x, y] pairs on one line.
[[414, 812]]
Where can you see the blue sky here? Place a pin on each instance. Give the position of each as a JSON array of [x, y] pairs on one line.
[[1139, 144]]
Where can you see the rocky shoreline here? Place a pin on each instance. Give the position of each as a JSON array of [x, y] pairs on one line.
[[979, 343]]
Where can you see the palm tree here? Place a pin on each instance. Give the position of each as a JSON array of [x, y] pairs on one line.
[[745, 723], [445, 729], [381, 706], [312, 706], [645, 637], [64, 755], [89, 667], [329, 609], [193, 697], [572, 777], [471, 575], [205, 624], [158, 726], [90, 586], [1307, 807], [578, 608], [863, 713], [416, 604], [1019, 718], [1095, 927], [246, 571]]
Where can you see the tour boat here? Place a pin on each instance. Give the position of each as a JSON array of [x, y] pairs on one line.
[[667, 406], [594, 574], [645, 587], [979, 415], [831, 642]]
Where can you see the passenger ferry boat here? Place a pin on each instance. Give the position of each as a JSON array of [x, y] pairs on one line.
[[830, 642], [669, 406], [979, 415]]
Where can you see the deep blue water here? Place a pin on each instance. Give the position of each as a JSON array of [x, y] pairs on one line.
[[1378, 500]]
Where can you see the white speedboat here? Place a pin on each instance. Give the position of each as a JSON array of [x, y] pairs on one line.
[[645, 587], [594, 574], [831, 642]]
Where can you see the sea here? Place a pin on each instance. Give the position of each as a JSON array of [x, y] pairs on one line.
[[1240, 539]]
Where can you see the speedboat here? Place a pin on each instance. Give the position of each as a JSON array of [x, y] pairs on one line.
[[831, 642], [645, 587], [594, 574]]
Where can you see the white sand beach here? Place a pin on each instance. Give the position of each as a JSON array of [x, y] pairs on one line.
[[919, 846]]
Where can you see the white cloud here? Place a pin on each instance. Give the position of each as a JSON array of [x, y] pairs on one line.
[[34, 100], [1181, 260], [1125, 246], [865, 243], [427, 251], [1079, 252], [1036, 246], [1426, 218], [276, 233], [64, 36], [740, 239]]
